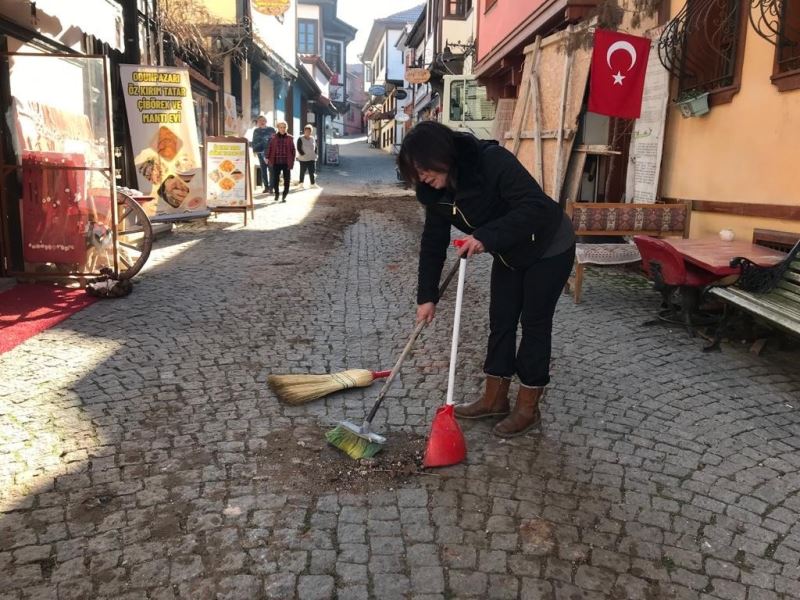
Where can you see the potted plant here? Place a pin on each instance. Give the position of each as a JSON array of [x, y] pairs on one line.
[[692, 103]]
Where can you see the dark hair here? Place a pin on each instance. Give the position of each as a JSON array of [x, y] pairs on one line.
[[430, 146]]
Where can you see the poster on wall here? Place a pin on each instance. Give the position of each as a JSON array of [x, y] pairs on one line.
[[226, 169], [647, 141], [161, 119]]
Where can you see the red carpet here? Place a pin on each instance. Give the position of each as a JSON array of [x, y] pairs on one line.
[[27, 309]]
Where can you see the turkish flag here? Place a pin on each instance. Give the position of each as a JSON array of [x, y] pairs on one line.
[[619, 64]]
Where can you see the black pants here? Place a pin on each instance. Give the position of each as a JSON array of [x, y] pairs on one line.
[[310, 166], [528, 296], [276, 171]]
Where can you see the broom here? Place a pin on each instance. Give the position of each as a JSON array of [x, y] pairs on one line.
[[301, 388], [361, 442]]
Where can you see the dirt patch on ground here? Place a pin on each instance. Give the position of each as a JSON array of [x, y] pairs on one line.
[[301, 460]]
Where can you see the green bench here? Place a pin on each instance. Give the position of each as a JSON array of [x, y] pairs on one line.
[[770, 294]]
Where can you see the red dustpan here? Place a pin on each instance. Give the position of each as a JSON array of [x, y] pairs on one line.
[[446, 444]]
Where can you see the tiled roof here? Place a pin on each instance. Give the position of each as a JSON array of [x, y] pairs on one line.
[[406, 16]]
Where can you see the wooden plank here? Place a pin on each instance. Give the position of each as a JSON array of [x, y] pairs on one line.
[[550, 134], [537, 112], [557, 184], [575, 176], [596, 149], [784, 239], [526, 92], [744, 209]]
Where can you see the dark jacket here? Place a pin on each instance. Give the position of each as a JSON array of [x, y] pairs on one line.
[[496, 200], [261, 138], [281, 150]]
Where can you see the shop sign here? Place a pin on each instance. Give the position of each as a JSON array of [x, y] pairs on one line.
[[272, 8], [332, 155], [377, 90], [226, 172], [417, 75], [401, 117], [400, 94], [158, 101]]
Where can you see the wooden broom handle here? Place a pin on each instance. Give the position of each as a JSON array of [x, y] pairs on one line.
[[414, 335]]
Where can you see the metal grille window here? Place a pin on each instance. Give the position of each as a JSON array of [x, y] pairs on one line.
[[306, 36], [789, 37], [778, 21], [700, 46]]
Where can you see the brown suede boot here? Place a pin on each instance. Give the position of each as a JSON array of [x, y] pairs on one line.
[[525, 414], [494, 401]]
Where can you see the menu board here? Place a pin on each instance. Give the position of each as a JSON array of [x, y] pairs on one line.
[[226, 172], [161, 119]]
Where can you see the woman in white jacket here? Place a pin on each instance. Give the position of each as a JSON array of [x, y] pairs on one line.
[[307, 155]]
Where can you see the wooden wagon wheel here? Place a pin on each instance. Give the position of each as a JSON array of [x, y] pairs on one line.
[[134, 236]]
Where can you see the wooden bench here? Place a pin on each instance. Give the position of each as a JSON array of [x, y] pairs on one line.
[[771, 294], [617, 219]]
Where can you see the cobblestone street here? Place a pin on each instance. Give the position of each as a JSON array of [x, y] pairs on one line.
[[143, 456]]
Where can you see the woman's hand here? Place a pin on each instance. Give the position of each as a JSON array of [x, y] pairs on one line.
[[426, 312], [470, 246]]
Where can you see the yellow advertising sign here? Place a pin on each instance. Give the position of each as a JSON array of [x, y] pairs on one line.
[[158, 101], [226, 172], [273, 8]]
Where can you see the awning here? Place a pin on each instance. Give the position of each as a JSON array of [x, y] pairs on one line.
[[101, 19]]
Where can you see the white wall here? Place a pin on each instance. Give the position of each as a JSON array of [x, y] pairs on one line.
[[281, 37], [322, 80], [308, 11], [396, 68]]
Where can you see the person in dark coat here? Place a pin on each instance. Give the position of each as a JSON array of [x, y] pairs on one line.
[[262, 135], [280, 155], [482, 189]]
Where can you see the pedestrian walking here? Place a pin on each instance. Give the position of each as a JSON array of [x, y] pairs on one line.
[[307, 155], [262, 135], [483, 190], [280, 155]]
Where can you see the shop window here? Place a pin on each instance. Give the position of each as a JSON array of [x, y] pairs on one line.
[[458, 9], [306, 36], [255, 92], [703, 47], [236, 86], [469, 102]]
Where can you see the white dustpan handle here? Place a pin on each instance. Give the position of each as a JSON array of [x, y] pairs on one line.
[[451, 378]]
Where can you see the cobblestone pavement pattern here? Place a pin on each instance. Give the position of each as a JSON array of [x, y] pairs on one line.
[[133, 436]]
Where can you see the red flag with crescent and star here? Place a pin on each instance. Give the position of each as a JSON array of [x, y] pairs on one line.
[[619, 64]]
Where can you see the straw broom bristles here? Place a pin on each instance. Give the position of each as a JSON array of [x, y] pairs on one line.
[[301, 388]]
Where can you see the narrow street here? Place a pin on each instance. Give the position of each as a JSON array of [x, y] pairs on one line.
[[142, 454]]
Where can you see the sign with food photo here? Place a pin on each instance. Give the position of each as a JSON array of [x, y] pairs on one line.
[[161, 119], [226, 169]]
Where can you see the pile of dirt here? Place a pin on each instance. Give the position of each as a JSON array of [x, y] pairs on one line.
[[301, 460]]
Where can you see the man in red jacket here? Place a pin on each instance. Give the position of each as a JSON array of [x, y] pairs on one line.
[[280, 156]]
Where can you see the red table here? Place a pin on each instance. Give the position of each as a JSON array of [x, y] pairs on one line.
[[714, 255]]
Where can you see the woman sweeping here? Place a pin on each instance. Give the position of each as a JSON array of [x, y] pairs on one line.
[[484, 191]]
